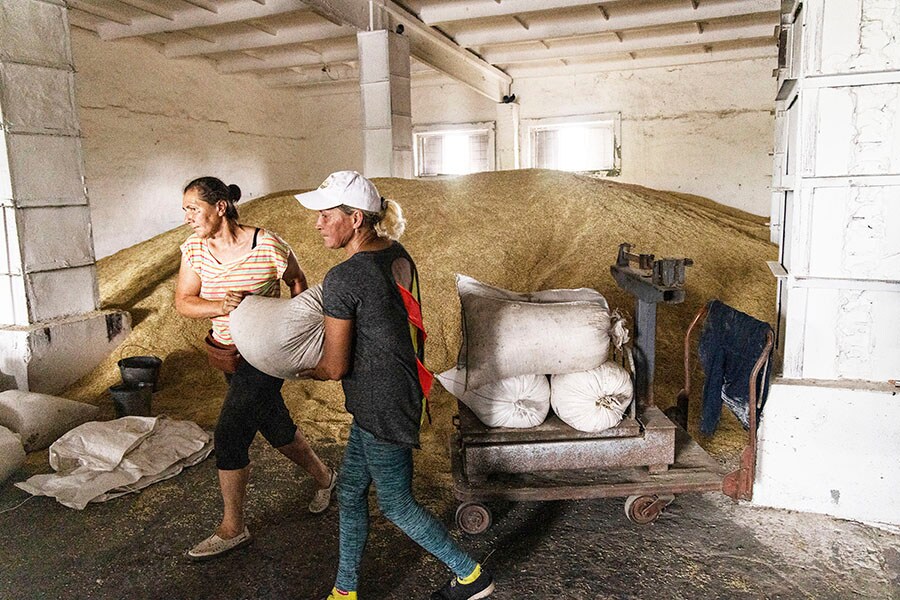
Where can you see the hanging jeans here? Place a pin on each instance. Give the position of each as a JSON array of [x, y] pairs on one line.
[[390, 467]]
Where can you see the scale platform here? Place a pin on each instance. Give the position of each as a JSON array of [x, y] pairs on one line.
[[555, 462]]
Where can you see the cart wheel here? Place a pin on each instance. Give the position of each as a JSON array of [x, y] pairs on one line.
[[643, 510], [473, 518]]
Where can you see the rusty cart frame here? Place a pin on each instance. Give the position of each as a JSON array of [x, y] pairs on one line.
[[647, 458]]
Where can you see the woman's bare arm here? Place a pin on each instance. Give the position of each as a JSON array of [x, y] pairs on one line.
[[188, 301], [335, 361], [293, 276]]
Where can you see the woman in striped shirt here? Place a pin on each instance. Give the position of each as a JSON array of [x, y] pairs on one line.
[[222, 262]]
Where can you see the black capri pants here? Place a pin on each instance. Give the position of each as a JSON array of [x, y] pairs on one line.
[[253, 403]]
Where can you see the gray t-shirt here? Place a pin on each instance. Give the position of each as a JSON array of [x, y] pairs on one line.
[[382, 389]]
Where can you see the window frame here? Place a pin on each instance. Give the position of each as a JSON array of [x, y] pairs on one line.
[[529, 126], [433, 129]]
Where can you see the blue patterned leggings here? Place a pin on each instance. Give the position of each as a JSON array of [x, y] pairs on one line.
[[390, 467]]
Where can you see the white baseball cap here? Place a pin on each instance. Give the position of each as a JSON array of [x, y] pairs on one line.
[[343, 187]]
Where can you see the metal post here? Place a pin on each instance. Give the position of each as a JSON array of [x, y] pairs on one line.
[[644, 350]]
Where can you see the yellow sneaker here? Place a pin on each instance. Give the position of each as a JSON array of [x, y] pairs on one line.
[[337, 594]]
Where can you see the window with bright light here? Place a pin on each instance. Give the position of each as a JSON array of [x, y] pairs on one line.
[[454, 149], [587, 143]]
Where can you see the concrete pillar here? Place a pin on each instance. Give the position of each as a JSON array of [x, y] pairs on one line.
[[829, 441], [386, 104], [507, 138], [51, 332]]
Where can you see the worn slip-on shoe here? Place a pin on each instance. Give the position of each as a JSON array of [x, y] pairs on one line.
[[322, 497], [214, 546]]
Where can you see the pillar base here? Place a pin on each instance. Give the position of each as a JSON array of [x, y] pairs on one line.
[[831, 447], [49, 356]]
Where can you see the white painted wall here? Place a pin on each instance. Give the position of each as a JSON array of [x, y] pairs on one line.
[[704, 129], [151, 124], [830, 449], [829, 439]]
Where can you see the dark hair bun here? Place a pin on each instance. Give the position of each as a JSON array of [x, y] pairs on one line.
[[234, 193]]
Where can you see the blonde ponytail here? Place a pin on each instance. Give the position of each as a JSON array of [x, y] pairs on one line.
[[392, 224]]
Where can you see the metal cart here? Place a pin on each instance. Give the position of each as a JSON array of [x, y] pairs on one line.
[[647, 458]]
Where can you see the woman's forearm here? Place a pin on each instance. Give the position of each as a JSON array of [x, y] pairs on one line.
[[335, 361], [195, 307], [298, 285]]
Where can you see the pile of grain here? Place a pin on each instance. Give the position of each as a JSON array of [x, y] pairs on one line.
[[521, 230]]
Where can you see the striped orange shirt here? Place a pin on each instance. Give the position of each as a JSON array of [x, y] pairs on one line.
[[257, 272]]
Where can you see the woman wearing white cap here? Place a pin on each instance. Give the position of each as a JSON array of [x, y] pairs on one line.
[[373, 344]]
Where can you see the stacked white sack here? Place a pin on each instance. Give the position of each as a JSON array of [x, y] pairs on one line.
[[592, 400], [12, 453], [280, 336], [507, 334], [40, 419], [517, 402]]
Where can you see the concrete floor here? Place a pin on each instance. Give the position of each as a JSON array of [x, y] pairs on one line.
[[703, 546]]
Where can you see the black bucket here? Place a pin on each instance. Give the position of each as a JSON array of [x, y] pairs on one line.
[[131, 399], [140, 369]]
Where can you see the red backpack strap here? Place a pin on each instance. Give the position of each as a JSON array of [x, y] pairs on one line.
[[418, 335]]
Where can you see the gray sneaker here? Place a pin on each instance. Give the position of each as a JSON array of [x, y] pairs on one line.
[[322, 497]]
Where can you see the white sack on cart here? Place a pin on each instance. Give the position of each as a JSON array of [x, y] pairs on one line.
[[592, 400], [518, 402], [39, 418], [99, 461], [12, 453], [506, 334], [280, 336], [467, 286]]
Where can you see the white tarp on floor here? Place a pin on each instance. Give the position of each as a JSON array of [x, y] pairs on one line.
[[98, 461]]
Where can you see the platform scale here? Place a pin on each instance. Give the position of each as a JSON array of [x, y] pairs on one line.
[[646, 458]]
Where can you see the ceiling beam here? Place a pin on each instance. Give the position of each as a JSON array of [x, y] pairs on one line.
[[346, 12], [204, 4], [463, 10], [190, 18], [635, 42], [100, 11], [345, 51], [255, 40], [441, 53], [633, 17], [313, 75], [261, 26], [425, 43], [82, 20], [684, 57], [332, 88], [149, 8]]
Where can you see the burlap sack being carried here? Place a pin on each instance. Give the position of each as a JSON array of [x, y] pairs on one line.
[[506, 334], [280, 336]]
